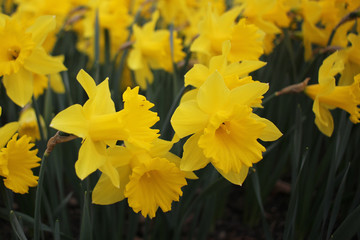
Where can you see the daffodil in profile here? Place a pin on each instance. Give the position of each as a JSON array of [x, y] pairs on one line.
[[327, 95], [16, 161], [99, 125], [149, 179], [22, 55], [224, 129]]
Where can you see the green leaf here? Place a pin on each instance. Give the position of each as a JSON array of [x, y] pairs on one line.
[[16, 226], [57, 230], [86, 227], [39, 192], [336, 206], [256, 186], [349, 227]]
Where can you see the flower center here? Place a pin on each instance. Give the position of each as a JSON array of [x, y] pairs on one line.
[[224, 127], [13, 53]]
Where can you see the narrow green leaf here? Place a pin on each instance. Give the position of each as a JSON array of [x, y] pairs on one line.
[[86, 227], [133, 225], [48, 108], [294, 203], [349, 227], [65, 78], [63, 203], [336, 206], [38, 114], [16, 226], [57, 230], [39, 192], [256, 186]]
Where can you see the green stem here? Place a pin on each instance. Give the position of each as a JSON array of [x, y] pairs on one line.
[[37, 113], [172, 110], [209, 189], [5, 196], [268, 98], [39, 191]]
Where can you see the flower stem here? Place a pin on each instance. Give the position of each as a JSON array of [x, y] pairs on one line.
[[37, 113], [39, 191]]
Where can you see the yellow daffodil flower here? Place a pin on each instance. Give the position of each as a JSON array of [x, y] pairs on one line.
[[225, 130], [28, 124], [99, 125], [16, 162], [246, 39], [22, 55], [327, 95], [152, 50], [148, 178]]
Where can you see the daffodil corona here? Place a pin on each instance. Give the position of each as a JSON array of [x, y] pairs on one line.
[[149, 179], [16, 162]]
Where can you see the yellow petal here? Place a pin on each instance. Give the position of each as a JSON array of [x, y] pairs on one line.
[[105, 192], [193, 156], [190, 95], [201, 45], [56, 83], [87, 82], [175, 159], [235, 178], [188, 118], [331, 66], [246, 67], [197, 75], [91, 157], [100, 103], [111, 172], [41, 27], [71, 120], [213, 94], [7, 131], [135, 60], [249, 93], [41, 63], [323, 119], [118, 156], [270, 132], [19, 86], [161, 147]]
